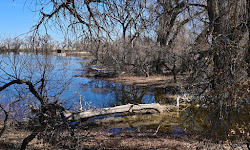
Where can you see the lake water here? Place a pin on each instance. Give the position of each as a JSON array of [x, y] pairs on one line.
[[65, 72], [64, 84]]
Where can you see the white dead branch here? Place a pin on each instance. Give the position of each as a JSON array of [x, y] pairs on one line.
[[74, 116]]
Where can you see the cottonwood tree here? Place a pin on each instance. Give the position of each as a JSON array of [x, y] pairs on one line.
[[229, 27], [2, 45], [125, 13], [220, 67], [12, 44], [170, 19], [45, 42], [32, 43]]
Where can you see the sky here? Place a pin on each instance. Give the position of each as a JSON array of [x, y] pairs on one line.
[[16, 18]]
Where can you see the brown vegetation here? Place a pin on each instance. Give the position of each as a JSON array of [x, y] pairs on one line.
[[127, 140]]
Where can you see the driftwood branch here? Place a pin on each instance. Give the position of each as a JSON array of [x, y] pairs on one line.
[[74, 116]]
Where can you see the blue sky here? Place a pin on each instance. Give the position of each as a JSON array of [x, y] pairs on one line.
[[17, 18]]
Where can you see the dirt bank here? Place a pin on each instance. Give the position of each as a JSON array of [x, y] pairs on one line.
[[152, 81]]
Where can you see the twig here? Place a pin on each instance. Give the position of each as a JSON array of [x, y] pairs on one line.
[[157, 129]]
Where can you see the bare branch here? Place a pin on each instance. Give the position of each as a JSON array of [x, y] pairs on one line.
[[31, 88], [5, 120], [198, 5]]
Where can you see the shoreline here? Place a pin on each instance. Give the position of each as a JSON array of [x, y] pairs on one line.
[[157, 81], [154, 81], [52, 53]]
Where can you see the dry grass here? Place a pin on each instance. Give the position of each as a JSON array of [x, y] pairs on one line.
[[104, 139], [12, 140], [97, 140]]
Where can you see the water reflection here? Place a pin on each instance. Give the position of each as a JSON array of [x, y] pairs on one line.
[[132, 94], [111, 94], [165, 95]]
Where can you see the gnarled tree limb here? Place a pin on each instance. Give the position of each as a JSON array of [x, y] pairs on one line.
[[31, 88], [28, 139]]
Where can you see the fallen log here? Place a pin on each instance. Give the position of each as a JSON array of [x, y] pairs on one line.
[[100, 73], [75, 116]]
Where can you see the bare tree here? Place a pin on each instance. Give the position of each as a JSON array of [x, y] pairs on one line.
[[33, 74], [230, 42], [12, 44]]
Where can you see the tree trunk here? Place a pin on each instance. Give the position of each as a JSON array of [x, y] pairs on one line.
[[230, 38], [228, 20], [28, 139], [112, 110]]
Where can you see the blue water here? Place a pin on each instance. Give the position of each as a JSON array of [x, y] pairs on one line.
[[80, 92]]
